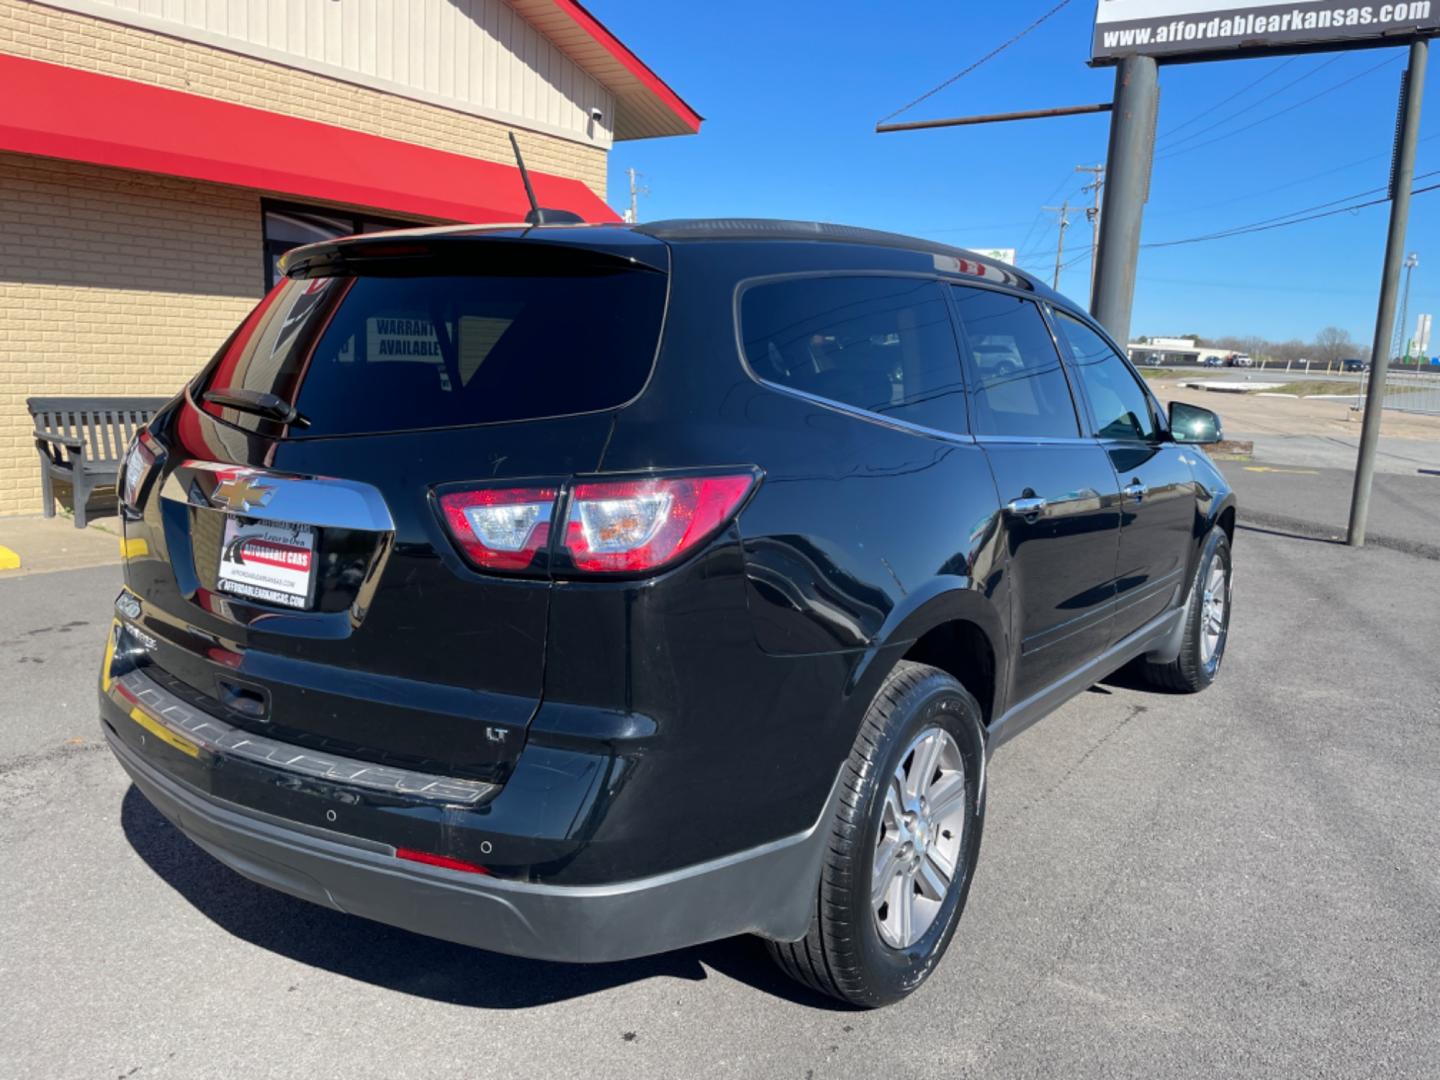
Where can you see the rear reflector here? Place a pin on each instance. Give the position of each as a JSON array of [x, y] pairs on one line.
[[633, 526], [500, 528], [439, 860]]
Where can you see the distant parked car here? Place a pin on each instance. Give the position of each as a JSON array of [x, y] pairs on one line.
[[1213, 361], [1354, 365], [1241, 361]]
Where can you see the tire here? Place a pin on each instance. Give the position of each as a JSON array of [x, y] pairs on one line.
[[845, 953], [1200, 652]]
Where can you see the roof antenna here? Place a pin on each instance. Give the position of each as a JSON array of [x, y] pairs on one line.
[[540, 215]]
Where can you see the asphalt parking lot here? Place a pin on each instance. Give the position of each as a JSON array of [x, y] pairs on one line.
[[1239, 883]]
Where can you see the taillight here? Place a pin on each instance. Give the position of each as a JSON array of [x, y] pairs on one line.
[[500, 528], [632, 526], [140, 461], [625, 526]]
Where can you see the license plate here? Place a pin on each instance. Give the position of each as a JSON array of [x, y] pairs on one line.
[[271, 561]]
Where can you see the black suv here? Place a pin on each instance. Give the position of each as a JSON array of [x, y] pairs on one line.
[[582, 592]]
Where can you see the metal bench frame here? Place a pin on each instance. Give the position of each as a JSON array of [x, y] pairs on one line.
[[83, 440]]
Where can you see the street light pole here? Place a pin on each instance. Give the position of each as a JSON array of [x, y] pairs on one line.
[[1402, 334]]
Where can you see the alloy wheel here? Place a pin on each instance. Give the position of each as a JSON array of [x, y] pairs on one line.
[[917, 851]]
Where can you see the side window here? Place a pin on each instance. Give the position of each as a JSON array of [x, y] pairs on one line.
[[1019, 387], [1120, 404], [882, 344]]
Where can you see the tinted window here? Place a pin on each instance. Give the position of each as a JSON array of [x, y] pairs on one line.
[[883, 344], [1019, 387], [395, 353], [1120, 404]]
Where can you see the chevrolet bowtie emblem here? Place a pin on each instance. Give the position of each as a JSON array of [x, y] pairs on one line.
[[242, 494]]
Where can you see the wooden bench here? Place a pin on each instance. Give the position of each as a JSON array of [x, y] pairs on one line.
[[82, 441]]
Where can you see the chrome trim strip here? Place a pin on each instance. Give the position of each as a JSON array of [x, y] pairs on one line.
[[322, 501], [218, 737]]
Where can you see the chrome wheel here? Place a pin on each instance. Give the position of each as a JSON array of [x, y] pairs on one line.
[[917, 851], [1214, 605]]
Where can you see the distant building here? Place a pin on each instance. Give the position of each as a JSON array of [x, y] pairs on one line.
[[1158, 351], [156, 159]]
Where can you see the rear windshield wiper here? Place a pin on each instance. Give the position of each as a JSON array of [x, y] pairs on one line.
[[257, 403]]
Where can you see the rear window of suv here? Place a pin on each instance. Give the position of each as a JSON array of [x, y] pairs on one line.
[[370, 354]]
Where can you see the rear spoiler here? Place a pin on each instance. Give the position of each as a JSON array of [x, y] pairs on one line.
[[517, 249]]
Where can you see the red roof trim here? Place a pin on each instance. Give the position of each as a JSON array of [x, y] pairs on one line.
[[637, 67], [56, 111]]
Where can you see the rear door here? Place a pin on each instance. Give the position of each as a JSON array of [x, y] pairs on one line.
[[1156, 483], [301, 581], [1057, 491]]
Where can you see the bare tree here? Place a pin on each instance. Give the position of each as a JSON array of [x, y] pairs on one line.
[[1332, 345]]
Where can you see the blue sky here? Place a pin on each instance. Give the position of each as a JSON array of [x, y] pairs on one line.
[[791, 92]]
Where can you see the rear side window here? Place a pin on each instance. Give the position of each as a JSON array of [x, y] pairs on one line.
[[1019, 388], [882, 344], [372, 353]]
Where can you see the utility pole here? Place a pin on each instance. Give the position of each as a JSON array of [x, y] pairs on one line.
[[632, 215], [1402, 176], [1092, 214], [1064, 212], [1127, 189]]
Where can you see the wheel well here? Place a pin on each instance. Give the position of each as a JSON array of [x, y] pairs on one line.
[[1227, 522], [961, 649]]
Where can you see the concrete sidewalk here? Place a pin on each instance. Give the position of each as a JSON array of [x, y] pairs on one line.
[[37, 545]]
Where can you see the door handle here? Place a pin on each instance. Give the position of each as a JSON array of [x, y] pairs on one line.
[[1135, 489], [1028, 507]]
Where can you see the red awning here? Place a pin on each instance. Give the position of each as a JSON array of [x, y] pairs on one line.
[[59, 112]]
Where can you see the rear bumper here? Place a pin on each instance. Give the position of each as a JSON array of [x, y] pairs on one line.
[[768, 890]]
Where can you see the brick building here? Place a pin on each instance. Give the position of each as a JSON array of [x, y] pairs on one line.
[[157, 156]]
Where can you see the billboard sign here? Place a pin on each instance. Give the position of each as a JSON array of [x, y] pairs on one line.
[[1005, 255], [1176, 28]]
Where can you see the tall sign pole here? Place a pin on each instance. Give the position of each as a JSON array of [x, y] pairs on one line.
[[1127, 189], [1402, 176]]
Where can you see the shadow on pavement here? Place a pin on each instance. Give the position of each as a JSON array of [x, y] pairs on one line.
[[1242, 527], [411, 963]]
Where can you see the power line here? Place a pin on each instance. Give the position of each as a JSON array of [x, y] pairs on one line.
[[1292, 83], [1266, 226], [1281, 112], [1303, 179], [1243, 90], [984, 59], [1295, 217], [1068, 178]]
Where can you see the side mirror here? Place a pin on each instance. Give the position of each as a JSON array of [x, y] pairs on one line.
[[1193, 424]]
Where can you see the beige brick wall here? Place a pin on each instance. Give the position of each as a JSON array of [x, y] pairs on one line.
[[117, 282], [79, 41], [111, 282]]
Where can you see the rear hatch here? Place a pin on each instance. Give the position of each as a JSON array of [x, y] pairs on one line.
[[307, 587]]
